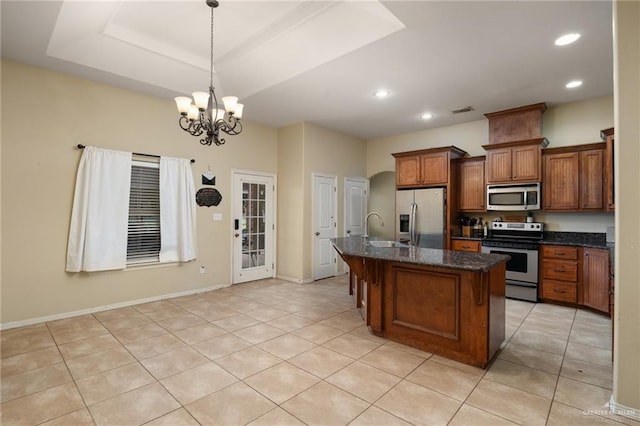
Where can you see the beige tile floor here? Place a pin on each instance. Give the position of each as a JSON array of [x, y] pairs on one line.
[[278, 353]]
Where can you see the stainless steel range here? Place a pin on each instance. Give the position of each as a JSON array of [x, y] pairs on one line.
[[520, 241]]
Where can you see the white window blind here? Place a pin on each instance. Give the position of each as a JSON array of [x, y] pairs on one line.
[[143, 242]]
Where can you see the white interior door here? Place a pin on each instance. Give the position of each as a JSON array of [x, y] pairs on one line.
[[355, 206], [324, 226], [253, 227]]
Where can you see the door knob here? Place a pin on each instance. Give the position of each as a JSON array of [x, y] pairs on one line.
[[236, 235], [317, 234], [348, 231]]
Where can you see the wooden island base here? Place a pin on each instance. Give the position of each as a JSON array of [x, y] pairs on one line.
[[458, 314]]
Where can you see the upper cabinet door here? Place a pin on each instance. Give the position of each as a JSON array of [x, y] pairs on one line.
[[574, 178], [407, 171], [425, 167], [526, 163], [515, 161], [499, 165], [435, 168], [561, 181], [472, 195], [591, 180]]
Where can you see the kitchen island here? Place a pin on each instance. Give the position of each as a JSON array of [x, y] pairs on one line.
[[446, 302]]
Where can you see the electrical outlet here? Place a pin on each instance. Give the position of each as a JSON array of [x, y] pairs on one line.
[[202, 269]]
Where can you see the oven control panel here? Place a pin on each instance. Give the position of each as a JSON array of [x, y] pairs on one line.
[[518, 226]]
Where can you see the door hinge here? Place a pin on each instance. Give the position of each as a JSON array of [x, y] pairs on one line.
[[335, 260], [272, 266], [335, 189], [273, 227]]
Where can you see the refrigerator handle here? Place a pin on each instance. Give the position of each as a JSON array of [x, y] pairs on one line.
[[412, 224]]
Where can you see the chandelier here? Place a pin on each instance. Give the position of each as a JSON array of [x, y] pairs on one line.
[[204, 116]]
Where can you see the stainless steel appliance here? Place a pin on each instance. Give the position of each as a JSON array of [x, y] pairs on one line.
[[420, 216], [524, 196], [520, 241]]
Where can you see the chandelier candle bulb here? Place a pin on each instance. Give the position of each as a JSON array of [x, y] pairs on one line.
[[219, 114], [193, 113], [201, 99], [184, 104], [230, 103], [238, 112]]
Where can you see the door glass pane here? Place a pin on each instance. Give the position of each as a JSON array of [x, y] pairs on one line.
[[253, 225]]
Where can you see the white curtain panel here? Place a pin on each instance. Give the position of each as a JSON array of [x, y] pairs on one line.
[[177, 210], [100, 215]]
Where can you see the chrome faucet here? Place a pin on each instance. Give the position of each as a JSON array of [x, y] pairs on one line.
[[366, 223]]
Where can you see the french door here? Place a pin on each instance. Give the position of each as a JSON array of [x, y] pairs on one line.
[[253, 227]]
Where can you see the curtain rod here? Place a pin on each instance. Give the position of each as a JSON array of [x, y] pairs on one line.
[[80, 146]]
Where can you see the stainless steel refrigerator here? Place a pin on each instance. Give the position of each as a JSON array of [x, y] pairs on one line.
[[420, 216]]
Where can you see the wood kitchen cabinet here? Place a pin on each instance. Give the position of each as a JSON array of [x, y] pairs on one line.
[[472, 184], [429, 167], [560, 273], [466, 245], [573, 178], [596, 284], [608, 135], [580, 276], [514, 161]]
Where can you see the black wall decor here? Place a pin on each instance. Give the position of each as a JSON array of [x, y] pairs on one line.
[[208, 197]]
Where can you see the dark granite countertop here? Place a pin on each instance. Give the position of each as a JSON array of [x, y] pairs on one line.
[[479, 262], [581, 239]]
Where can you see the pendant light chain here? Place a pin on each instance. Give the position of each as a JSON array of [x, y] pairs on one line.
[[204, 116], [211, 68]]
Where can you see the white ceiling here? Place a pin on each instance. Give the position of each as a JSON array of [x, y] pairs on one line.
[[321, 61]]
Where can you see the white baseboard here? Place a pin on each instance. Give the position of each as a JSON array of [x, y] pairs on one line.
[[621, 410], [294, 280], [64, 315]]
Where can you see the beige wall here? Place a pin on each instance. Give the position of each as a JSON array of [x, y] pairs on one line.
[[569, 124], [290, 202], [626, 376], [304, 149], [467, 136], [578, 122], [382, 188], [44, 115], [331, 153]]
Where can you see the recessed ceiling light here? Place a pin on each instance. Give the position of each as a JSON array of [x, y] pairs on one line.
[[567, 39], [573, 84], [426, 116], [382, 93]]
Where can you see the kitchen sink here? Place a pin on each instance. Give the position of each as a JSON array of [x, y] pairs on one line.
[[377, 243]]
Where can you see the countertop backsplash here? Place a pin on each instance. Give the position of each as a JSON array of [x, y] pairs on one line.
[[559, 222]]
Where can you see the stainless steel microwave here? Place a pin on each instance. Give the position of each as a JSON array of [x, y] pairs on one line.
[[524, 196]]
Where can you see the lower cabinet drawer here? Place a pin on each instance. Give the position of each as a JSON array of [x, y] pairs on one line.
[[561, 292], [560, 270], [465, 245]]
